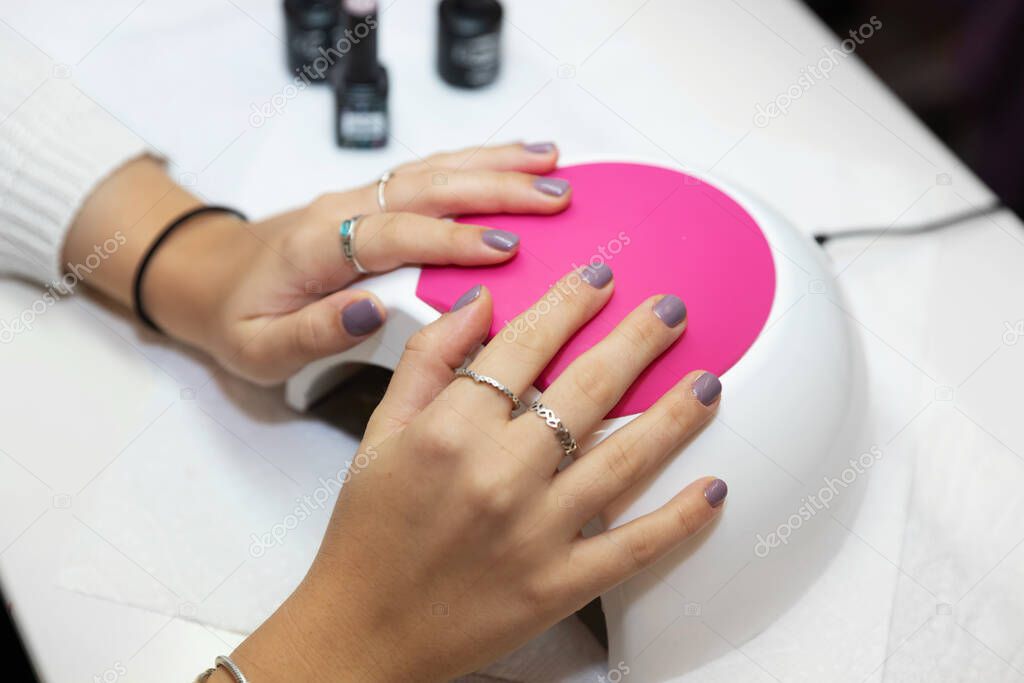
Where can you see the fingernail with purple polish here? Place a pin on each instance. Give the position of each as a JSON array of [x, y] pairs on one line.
[[501, 240], [671, 310], [556, 187], [596, 276], [361, 318], [715, 493], [467, 298], [540, 147], [707, 388]]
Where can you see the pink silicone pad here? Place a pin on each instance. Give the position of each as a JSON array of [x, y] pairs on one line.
[[661, 232]]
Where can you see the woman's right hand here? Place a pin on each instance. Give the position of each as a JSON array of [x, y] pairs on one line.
[[456, 539]]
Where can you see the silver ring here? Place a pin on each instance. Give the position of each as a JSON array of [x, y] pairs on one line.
[[565, 439], [381, 202], [348, 242], [236, 673], [491, 382]]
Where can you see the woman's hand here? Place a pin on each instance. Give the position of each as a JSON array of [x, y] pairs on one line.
[[455, 538], [266, 298]]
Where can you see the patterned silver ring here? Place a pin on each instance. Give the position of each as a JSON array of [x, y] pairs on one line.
[[381, 184], [491, 382], [348, 242], [565, 439]]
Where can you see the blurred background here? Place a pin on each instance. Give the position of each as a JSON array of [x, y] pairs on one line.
[[956, 63]]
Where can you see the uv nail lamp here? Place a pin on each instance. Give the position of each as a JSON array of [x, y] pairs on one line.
[[759, 317]]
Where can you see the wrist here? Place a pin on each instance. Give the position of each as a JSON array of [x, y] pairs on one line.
[[186, 284], [313, 640], [128, 209], [188, 276]]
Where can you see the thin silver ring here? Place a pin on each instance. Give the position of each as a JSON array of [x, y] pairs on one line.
[[348, 242], [225, 661], [565, 438], [491, 382], [381, 202]]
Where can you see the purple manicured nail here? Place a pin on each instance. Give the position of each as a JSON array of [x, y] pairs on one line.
[[361, 318], [467, 298], [555, 187], [596, 276], [671, 310], [707, 388], [540, 147], [501, 240], [716, 492]]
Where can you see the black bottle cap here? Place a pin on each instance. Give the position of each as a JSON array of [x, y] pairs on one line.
[[469, 42], [360, 64], [311, 14]]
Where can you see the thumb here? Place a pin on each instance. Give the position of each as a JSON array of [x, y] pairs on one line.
[[322, 328]]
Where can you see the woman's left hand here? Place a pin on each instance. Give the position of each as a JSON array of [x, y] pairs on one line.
[[267, 297], [456, 536]]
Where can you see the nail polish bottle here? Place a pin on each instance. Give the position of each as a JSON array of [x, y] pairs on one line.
[[469, 42], [360, 81], [310, 26]]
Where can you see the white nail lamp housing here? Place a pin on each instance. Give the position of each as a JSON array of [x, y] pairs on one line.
[[758, 316]]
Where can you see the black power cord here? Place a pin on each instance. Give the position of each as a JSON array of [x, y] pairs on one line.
[[937, 224]]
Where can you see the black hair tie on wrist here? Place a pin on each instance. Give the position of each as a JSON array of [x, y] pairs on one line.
[[140, 312]]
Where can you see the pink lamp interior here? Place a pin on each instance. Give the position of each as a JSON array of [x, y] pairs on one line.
[[660, 231]]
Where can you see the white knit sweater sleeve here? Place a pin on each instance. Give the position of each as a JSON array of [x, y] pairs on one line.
[[56, 146]]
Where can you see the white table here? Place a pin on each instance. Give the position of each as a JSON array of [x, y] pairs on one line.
[[109, 433]]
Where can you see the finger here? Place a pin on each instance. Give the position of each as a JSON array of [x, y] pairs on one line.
[[430, 357], [527, 344], [634, 452], [591, 386], [383, 242], [537, 157], [386, 241], [453, 192], [605, 560], [322, 328]]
